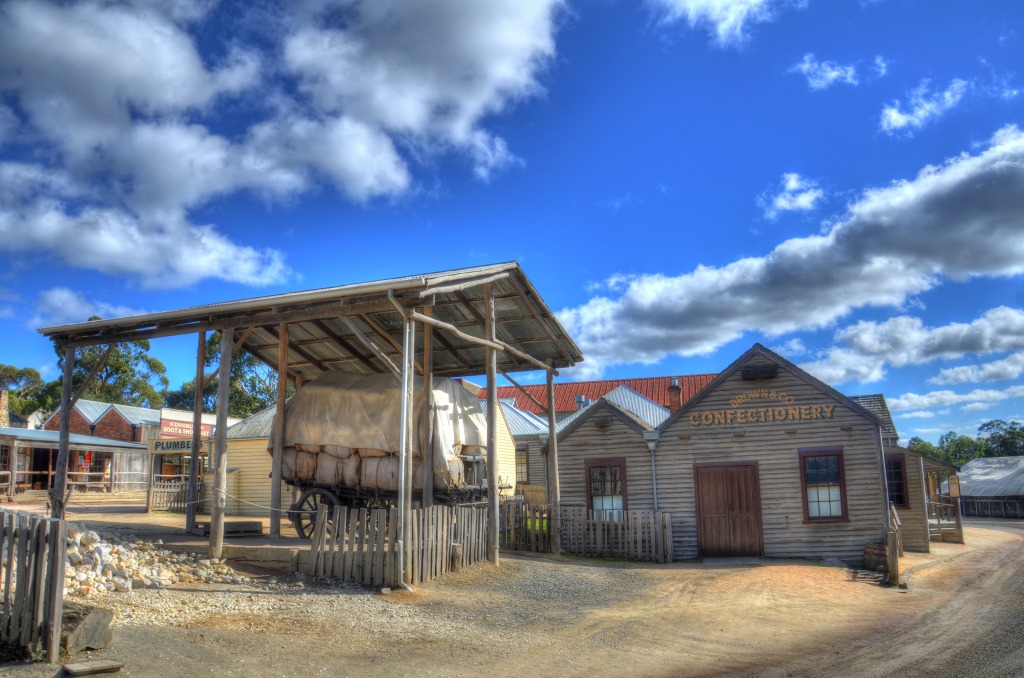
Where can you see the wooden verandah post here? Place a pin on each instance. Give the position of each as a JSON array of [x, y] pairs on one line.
[[554, 490], [197, 425], [220, 445]]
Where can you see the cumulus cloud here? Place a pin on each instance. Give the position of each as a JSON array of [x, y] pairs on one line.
[[974, 400], [62, 306], [729, 21], [957, 220], [1010, 367], [923, 107], [881, 66], [796, 194], [919, 414], [867, 347], [126, 109], [823, 74]]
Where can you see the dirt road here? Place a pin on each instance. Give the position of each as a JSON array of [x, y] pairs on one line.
[[535, 616]]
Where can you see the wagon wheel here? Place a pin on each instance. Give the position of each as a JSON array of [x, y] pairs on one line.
[[303, 512]]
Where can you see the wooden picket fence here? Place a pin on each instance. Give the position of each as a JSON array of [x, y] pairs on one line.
[[32, 578], [365, 550], [524, 527], [630, 535]]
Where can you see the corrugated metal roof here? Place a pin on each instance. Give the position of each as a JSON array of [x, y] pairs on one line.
[[254, 427], [648, 412], [992, 477], [138, 415], [522, 423], [327, 327], [876, 405], [652, 388], [91, 410], [52, 439]]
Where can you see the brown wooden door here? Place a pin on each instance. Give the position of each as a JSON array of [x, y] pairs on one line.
[[728, 511]]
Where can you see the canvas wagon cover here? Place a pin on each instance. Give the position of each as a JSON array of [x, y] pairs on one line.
[[364, 411]]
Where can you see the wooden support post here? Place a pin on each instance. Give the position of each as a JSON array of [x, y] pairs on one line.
[[428, 410], [60, 483], [220, 446], [197, 428], [492, 429], [554, 491], [278, 452]]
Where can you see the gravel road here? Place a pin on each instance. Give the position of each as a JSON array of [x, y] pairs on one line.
[[571, 617]]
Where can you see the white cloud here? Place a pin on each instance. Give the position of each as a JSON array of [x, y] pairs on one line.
[[797, 194], [727, 20], [923, 107], [62, 306], [867, 347], [124, 107], [1010, 367], [957, 220], [791, 349], [823, 74], [975, 399], [919, 414], [881, 66]]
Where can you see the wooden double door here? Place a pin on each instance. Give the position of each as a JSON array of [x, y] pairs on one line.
[[728, 510]]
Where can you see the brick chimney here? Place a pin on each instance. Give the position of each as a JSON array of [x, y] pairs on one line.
[[5, 409], [675, 395]]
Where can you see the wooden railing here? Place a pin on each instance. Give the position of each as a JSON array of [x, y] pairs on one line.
[[894, 544], [170, 493], [360, 546], [631, 535], [32, 579]]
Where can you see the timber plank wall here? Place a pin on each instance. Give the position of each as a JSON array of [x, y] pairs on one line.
[[914, 518], [774, 446]]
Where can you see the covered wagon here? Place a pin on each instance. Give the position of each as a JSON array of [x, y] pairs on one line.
[[342, 434]]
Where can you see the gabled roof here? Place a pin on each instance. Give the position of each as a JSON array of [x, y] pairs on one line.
[[992, 477], [93, 410], [655, 389], [876, 405], [521, 423], [640, 413], [759, 350]]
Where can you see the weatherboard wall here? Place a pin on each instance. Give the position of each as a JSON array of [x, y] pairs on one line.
[[774, 446], [603, 436]]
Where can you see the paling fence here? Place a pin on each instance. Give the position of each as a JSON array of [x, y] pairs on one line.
[[524, 527], [629, 535], [32, 579], [992, 508], [360, 545]]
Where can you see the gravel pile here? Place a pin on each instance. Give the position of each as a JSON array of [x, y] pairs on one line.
[[96, 565]]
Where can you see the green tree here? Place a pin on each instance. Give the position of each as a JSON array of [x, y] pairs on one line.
[[1003, 439], [22, 384], [253, 384], [920, 445], [959, 449]]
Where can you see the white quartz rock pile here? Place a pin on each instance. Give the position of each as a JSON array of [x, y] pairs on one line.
[[96, 565]]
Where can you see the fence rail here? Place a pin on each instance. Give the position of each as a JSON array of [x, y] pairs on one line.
[[360, 545], [171, 495], [992, 508], [631, 535], [32, 581]]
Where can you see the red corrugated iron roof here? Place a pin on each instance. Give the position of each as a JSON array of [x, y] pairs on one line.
[[655, 388]]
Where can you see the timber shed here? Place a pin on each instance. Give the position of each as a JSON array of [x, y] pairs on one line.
[[457, 323]]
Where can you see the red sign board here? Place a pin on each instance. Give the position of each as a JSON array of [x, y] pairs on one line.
[[171, 428]]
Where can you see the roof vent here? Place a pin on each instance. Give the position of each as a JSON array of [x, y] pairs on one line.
[[675, 382], [581, 402], [764, 371]]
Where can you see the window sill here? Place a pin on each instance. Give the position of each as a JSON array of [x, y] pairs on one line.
[[830, 521]]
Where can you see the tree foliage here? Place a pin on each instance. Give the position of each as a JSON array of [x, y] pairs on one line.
[[130, 376], [22, 384], [253, 384], [996, 438]]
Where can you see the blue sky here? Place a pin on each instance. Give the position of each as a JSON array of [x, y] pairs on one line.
[[842, 181]]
